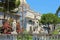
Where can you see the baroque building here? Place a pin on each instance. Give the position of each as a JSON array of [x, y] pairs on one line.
[[29, 18]]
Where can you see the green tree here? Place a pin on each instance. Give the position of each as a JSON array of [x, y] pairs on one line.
[[49, 18], [9, 5], [56, 20]]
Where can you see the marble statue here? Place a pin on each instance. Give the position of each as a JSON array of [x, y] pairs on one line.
[[14, 27]]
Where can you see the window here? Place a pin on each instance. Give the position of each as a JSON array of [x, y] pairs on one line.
[[31, 22]]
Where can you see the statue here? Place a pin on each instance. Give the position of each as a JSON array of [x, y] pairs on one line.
[[18, 30], [6, 27], [14, 27]]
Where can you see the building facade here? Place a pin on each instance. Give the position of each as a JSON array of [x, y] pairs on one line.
[[29, 18], [32, 20]]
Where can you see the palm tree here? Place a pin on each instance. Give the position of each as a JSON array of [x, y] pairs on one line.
[[58, 10], [9, 5]]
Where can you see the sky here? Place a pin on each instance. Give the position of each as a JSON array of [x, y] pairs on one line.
[[44, 6]]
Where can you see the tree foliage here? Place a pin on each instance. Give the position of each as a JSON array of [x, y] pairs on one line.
[[49, 19], [9, 4], [58, 10]]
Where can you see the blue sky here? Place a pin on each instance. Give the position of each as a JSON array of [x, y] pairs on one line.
[[44, 6]]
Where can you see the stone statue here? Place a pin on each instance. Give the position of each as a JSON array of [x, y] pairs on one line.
[[14, 27]]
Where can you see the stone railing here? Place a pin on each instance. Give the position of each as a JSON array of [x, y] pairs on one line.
[[8, 37], [28, 37], [38, 37]]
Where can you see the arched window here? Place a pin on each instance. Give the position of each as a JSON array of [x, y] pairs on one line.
[[31, 22]]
